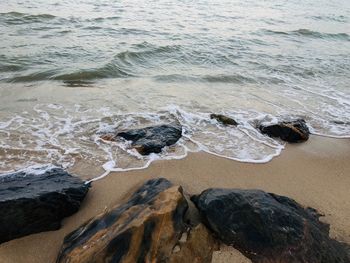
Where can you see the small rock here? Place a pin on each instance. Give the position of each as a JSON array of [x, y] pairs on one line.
[[290, 131], [153, 139], [36, 201], [223, 119], [269, 228]]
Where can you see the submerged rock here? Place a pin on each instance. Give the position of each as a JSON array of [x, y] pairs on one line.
[[290, 131], [223, 119], [269, 228], [151, 226], [152, 139], [36, 201]]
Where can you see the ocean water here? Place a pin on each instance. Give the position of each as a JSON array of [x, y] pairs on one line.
[[72, 70]]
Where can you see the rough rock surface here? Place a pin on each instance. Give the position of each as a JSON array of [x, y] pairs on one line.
[[153, 139], [290, 131], [36, 201], [269, 228], [223, 119], [151, 226]]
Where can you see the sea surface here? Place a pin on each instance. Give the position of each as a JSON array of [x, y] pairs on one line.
[[71, 70]]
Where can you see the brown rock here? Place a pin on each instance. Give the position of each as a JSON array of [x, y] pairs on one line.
[[290, 131], [149, 227], [197, 248], [223, 119]]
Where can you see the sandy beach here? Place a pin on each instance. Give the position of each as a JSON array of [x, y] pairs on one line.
[[315, 174]]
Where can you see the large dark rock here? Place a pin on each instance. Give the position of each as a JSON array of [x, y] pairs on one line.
[[151, 226], [290, 131], [223, 119], [269, 228], [153, 139], [32, 202]]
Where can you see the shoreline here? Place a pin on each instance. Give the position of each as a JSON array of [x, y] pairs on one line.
[[315, 174]]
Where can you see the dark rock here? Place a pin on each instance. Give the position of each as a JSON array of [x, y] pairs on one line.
[[150, 227], [223, 119], [153, 139], [32, 202], [290, 131], [269, 228]]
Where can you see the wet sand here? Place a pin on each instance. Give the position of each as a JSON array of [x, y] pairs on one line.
[[315, 173]]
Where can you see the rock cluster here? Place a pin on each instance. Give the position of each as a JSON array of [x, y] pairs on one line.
[[32, 202], [160, 223], [291, 131]]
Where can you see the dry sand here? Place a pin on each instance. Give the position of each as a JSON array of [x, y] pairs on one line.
[[315, 173]]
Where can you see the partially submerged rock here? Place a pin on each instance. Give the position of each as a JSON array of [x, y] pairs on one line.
[[36, 201], [153, 139], [269, 228], [223, 119], [151, 226], [290, 131]]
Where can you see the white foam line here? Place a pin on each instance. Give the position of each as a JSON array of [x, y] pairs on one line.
[[36, 169], [187, 120], [116, 169], [265, 160], [258, 140], [331, 136], [4, 125]]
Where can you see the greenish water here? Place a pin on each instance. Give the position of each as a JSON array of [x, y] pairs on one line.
[[72, 69]]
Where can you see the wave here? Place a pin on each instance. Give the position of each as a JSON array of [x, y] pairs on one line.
[[7, 67], [107, 71], [124, 64], [310, 33], [335, 18], [12, 64], [220, 78], [234, 78], [32, 77], [83, 76], [59, 134], [24, 18]]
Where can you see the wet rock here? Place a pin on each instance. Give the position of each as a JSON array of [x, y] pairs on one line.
[[153, 139], [148, 227], [198, 247], [269, 228], [37, 200], [223, 119], [290, 131]]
